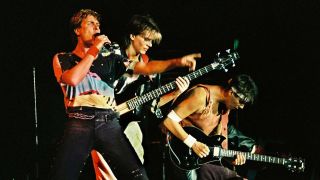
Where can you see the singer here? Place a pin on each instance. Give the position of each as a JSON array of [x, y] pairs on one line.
[[86, 78]]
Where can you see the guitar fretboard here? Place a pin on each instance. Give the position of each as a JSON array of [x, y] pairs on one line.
[[254, 157], [139, 100]]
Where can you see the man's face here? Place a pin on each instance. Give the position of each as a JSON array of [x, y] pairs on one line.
[[236, 100], [142, 42], [89, 27]]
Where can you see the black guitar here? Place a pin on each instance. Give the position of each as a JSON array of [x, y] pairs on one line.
[[221, 62], [184, 157]]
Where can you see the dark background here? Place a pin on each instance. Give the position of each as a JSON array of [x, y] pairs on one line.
[[278, 46]]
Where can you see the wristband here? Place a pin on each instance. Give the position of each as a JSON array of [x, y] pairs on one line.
[[189, 141], [173, 116], [93, 50]]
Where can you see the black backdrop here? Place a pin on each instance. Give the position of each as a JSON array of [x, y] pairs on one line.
[[278, 46]]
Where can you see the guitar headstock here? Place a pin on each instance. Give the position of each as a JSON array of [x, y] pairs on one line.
[[295, 164], [226, 58]]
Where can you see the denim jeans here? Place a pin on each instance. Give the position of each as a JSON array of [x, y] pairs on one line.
[[102, 132]]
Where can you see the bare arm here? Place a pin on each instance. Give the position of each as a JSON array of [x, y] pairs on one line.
[[158, 66], [76, 74], [194, 102]]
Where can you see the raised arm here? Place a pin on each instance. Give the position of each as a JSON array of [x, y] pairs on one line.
[[159, 66], [76, 74]]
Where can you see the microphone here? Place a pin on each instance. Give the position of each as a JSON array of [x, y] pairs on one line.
[[111, 47]]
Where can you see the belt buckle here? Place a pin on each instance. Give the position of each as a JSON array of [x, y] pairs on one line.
[[106, 116], [101, 117]]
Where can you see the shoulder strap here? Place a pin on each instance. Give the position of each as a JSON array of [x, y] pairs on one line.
[[209, 100], [145, 58]]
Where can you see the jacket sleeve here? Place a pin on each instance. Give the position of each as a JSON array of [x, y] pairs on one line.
[[238, 141]]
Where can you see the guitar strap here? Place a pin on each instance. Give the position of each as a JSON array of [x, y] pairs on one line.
[[156, 109]]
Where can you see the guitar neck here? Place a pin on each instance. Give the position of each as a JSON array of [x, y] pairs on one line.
[[185, 158], [220, 63], [139, 100], [250, 156]]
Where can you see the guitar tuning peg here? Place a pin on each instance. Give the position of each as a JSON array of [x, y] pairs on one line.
[[224, 68], [233, 63]]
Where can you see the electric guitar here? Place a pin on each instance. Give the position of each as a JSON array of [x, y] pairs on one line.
[[184, 158], [221, 62]]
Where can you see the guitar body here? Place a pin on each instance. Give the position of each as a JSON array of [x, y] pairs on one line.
[[184, 157]]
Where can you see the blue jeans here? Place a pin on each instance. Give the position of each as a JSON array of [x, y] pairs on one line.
[[102, 132]]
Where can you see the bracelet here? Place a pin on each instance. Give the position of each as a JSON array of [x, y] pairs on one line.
[[93, 51], [173, 116], [189, 141]]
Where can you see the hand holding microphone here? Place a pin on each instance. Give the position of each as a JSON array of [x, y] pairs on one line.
[[106, 43], [101, 40]]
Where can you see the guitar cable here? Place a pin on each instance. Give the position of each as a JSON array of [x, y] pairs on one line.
[[171, 150]]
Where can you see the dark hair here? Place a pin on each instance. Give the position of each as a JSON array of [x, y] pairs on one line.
[[138, 24], [76, 19], [245, 85]]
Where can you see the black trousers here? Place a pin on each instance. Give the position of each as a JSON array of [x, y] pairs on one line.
[[101, 129]]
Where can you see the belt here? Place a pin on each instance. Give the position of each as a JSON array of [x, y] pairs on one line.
[[90, 113], [105, 117], [86, 109]]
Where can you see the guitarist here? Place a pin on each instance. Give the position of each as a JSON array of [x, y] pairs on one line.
[[141, 33], [207, 107]]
